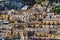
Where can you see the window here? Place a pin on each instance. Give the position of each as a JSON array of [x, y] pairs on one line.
[[49, 23], [30, 25], [52, 32], [44, 23], [30, 33], [51, 26], [58, 26], [41, 27], [53, 23]]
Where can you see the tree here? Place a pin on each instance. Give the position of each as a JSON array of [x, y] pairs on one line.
[[51, 1], [38, 1], [57, 10]]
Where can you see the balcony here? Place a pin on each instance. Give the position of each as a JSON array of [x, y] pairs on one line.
[[37, 30], [50, 19], [39, 38], [51, 26]]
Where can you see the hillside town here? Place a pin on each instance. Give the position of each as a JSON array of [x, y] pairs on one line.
[[30, 21]]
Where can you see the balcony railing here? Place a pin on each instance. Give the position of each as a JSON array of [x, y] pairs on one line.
[[51, 26], [51, 19]]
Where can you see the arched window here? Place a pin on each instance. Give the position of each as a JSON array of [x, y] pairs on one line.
[[57, 23], [44, 23], [49, 23], [53, 23]]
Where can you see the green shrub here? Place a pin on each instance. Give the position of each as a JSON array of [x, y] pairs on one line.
[[56, 10]]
